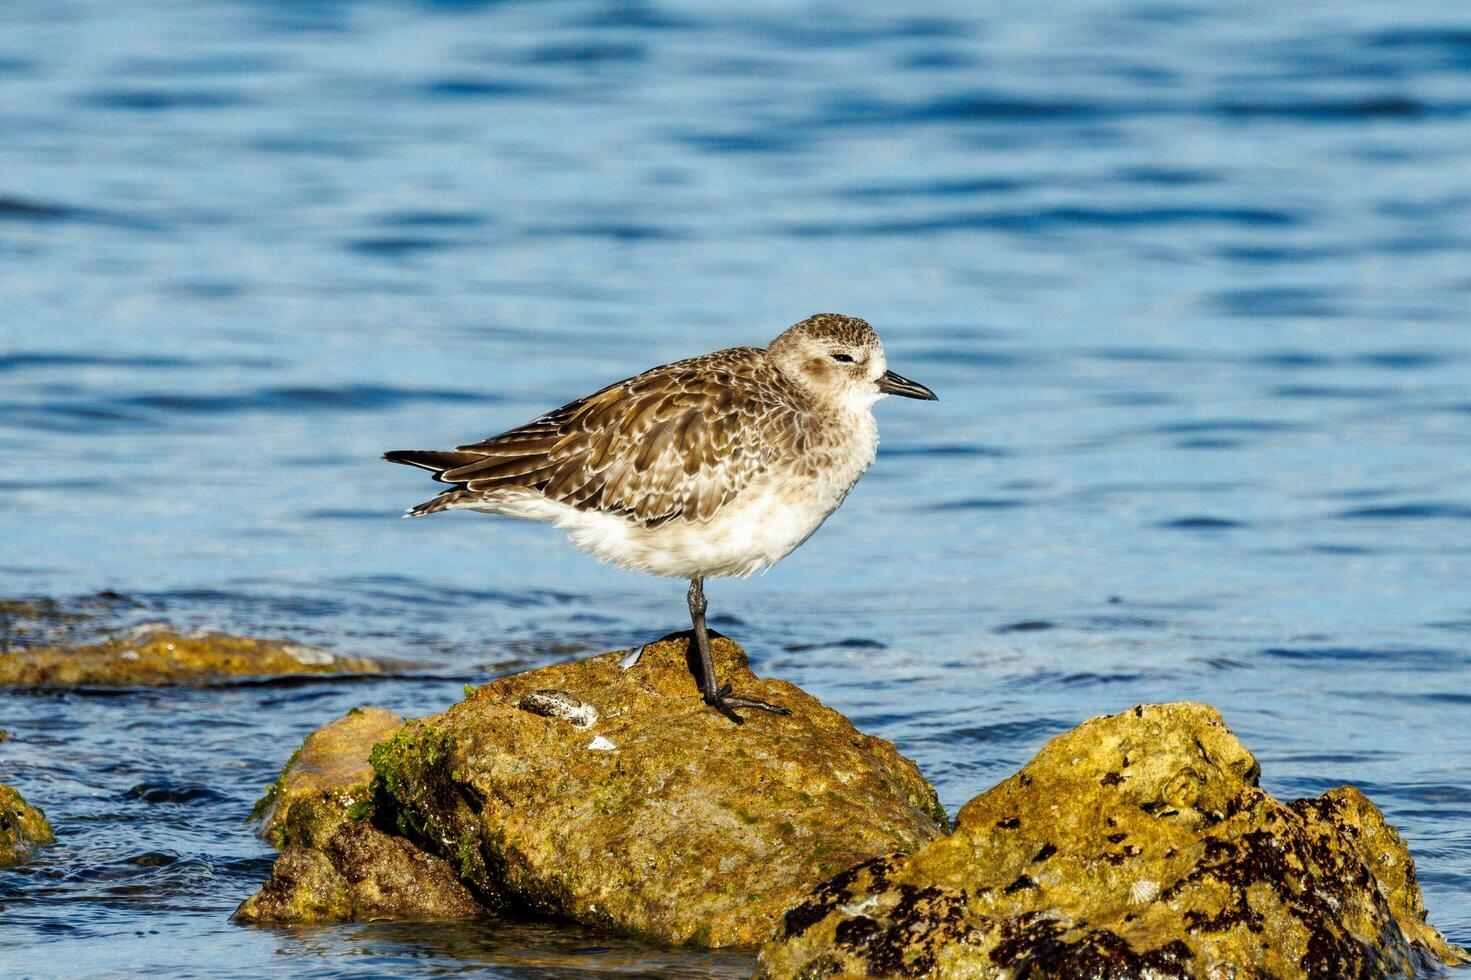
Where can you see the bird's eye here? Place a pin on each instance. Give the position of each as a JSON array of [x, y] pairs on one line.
[[843, 358]]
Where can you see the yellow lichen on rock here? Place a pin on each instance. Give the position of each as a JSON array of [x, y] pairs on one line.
[[23, 827], [616, 798], [1137, 844], [162, 657]]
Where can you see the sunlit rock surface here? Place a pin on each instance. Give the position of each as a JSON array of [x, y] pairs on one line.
[[1134, 845], [23, 828], [616, 798], [330, 768], [162, 657]]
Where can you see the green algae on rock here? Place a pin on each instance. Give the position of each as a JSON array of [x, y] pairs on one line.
[[331, 767], [335, 866], [162, 657], [616, 798], [23, 827], [1137, 844]]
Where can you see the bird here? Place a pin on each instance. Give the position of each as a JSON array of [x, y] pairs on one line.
[[719, 465]]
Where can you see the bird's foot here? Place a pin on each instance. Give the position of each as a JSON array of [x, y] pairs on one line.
[[725, 702]]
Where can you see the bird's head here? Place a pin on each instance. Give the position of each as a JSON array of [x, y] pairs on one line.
[[839, 360]]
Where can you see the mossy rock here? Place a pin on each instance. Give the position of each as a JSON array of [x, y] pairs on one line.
[[161, 657], [23, 827], [335, 865], [352, 871], [1134, 845], [331, 769], [616, 798]]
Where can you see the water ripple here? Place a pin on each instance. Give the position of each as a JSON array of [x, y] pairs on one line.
[[1409, 511], [305, 398], [1191, 288]]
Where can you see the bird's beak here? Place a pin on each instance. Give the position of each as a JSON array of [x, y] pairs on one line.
[[896, 384]]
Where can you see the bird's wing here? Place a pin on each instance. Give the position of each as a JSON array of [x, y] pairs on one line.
[[676, 442]]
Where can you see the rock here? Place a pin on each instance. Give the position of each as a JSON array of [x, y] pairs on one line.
[[658, 817], [23, 828], [330, 768], [334, 865], [1134, 845], [161, 657], [356, 872]]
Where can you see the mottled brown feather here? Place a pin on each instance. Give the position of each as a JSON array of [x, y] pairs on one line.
[[676, 442]]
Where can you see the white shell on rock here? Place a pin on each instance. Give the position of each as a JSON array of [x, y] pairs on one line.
[[1144, 891], [601, 744], [559, 704]]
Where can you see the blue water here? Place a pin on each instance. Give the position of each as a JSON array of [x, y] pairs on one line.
[[1191, 280]]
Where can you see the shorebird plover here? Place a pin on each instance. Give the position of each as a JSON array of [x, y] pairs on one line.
[[713, 466]]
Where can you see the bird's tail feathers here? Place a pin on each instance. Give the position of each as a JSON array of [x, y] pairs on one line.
[[437, 462], [448, 500]]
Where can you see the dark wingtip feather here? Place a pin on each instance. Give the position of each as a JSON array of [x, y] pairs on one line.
[[411, 457], [434, 460]]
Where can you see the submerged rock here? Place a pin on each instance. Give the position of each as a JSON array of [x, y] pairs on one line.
[[331, 769], [161, 657], [616, 798], [43, 621], [1134, 845], [23, 827], [334, 865]]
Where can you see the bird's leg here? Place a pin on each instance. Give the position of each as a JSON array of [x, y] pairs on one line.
[[719, 698], [702, 637]]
